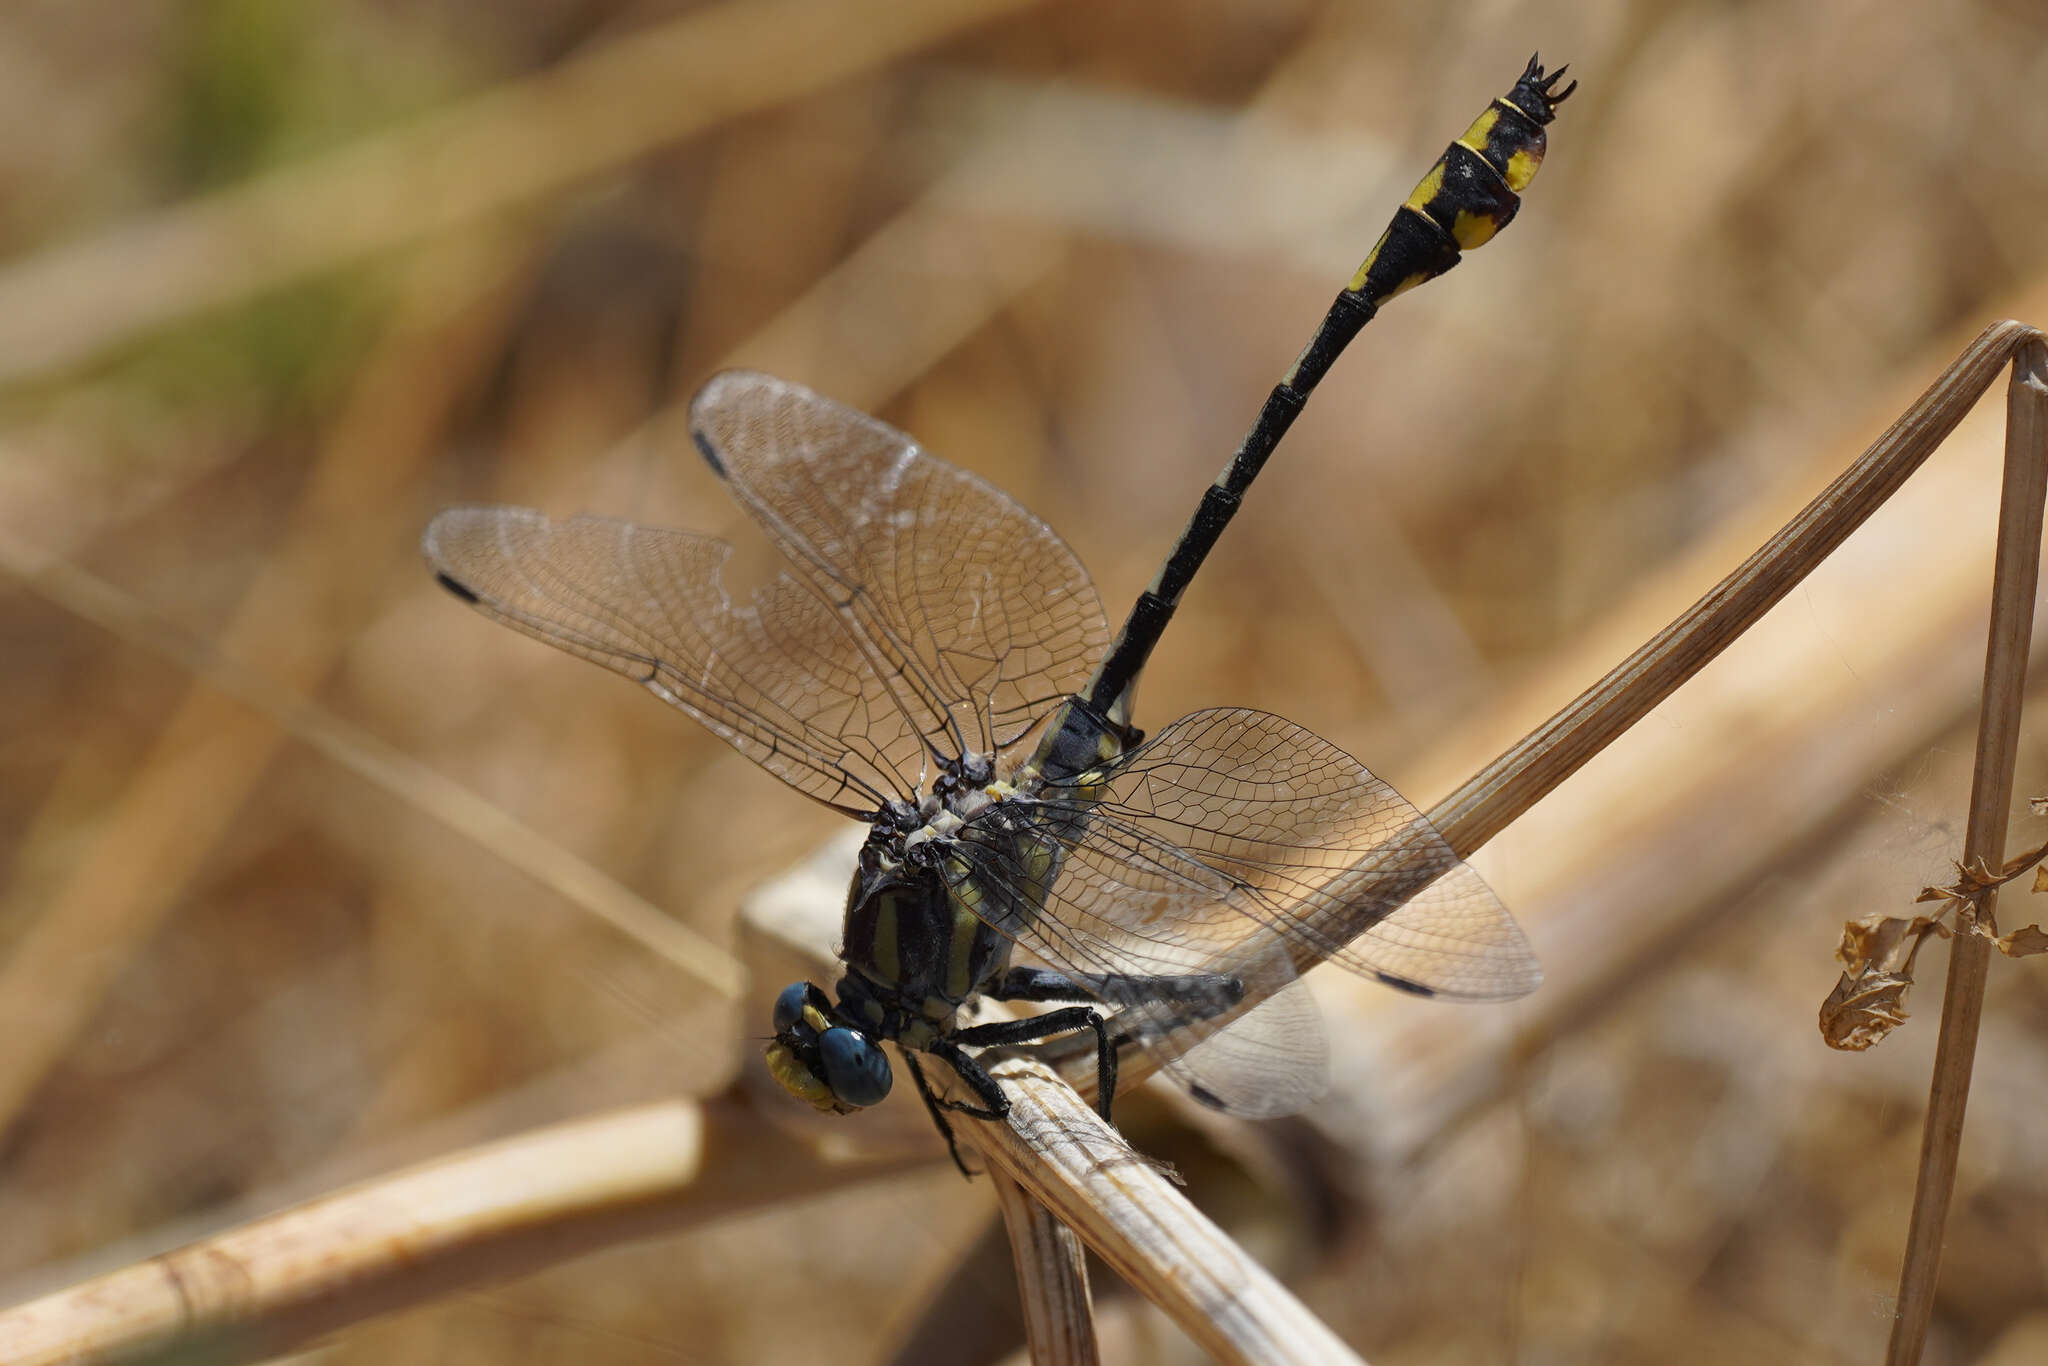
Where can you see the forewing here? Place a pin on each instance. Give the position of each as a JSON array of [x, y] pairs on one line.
[[1094, 897], [977, 613], [779, 679], [1334, 861]]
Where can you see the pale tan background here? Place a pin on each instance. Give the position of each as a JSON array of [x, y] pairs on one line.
[[258, 321]]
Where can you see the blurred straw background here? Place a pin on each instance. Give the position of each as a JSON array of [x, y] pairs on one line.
[[281, 281]]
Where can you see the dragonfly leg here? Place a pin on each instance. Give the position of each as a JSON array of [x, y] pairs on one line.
[[994, 1104], [1036, 1027], [1194, 995], [1208, 993], [938, 1110]]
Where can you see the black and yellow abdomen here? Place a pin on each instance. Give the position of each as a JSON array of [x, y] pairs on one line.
[[1470, 194]]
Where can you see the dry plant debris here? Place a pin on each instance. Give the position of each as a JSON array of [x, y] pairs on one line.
[[1878, 952]]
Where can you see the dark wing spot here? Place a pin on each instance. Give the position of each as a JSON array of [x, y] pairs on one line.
[[1208, 1097], [459, 589], [1403, 984]]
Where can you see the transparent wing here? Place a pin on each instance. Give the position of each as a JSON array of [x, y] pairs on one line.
[[1329, 858], [778, 679], [975, 614], [1094, 897]]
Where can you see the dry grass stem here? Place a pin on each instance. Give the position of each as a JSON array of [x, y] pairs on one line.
[[1061, 1153], [1052, 1279], [1511, 784], [482, 1216], [1748, 771], [2014, 580]]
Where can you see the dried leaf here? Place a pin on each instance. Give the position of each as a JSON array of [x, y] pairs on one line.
[[2024, 942], [1869, 1001], [2019, 863], [1971, 879], [1863, 1008], [1885, 942], [1877, 951], [1974, 879]]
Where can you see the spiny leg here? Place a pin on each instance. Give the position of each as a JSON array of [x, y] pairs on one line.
[[1205, 993], [938, 1109], [1199, 995], [1211, 993], [1068, 1021], [994, 1104]]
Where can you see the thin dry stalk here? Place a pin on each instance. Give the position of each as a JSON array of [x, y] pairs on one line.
[[2015, 577], [1052, 1279], [489, 1214], [1492, 798], [1061, 1152]]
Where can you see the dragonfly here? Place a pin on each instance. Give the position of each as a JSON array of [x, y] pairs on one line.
[[933, 661]]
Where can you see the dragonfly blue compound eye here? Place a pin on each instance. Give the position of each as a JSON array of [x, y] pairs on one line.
[[789, 1007], [855, 1067]]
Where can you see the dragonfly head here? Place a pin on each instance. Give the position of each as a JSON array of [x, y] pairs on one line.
[[823, 1064]]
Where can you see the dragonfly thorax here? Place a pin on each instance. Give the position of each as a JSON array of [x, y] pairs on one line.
[[962, 792], [914, 949]]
